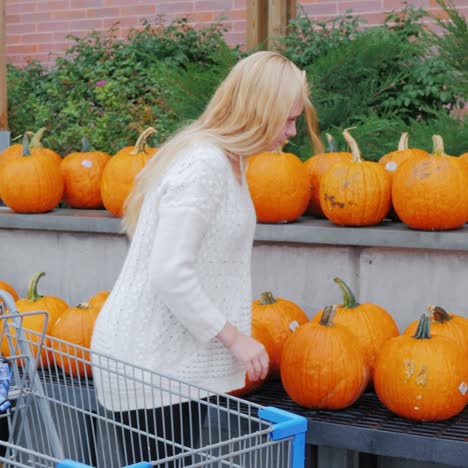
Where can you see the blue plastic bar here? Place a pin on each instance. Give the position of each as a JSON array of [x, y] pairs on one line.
[[74, 464], [286, 424], [139, 465]]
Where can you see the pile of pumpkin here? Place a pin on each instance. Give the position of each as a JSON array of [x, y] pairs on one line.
[[64, 336], [34, 179], [324, 363], [425, 191], [329, 361]]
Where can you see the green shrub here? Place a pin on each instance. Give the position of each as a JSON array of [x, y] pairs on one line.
[[382, 81], [102, 85], [386, 78]]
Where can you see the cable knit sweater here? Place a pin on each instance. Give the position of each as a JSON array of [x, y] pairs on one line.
[[186, 273]]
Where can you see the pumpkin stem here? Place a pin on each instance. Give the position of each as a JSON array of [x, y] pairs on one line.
[[353, 145], [85, 145], [267, 298], [423, 331], [440, 314], [332, 146], [403, 143], [33, 295], [36, 139], [25, 143], [136, 126], [140, 144], [84, 305], [438, 146], [349, 299], [328, 316]]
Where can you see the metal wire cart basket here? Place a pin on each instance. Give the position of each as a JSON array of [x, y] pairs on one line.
[[52, 417]]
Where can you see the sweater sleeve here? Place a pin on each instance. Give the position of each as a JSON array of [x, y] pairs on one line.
[[190, 198]]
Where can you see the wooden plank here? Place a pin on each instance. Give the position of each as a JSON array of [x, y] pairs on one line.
[[3, 70], [257, 22], [279, 13], [291, 9]]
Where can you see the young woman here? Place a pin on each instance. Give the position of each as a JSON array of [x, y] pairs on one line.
[[181, 305]]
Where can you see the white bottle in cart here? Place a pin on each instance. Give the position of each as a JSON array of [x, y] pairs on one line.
[[5, 378]]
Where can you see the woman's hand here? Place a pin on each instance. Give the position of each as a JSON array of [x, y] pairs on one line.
[[247, 350], [252, 354]]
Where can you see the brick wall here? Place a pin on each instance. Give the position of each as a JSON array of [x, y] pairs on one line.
[[37, 29]]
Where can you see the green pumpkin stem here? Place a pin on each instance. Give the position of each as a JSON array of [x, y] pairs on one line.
[[353, 145], [136, 126], [328, 316], [267, 298], [438, 146], [26, 148], [349, 300], [85, 145], [403, 143], [140, 145], [440, 314], [33, 295], [423, 331], [332, 146], [36, 139]]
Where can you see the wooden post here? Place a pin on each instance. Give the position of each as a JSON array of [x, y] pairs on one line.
[[267, 19], [3, 70], [291, 9], [279, 14], [257, 22]]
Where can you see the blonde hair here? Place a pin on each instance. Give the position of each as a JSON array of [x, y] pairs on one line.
[[245, 114]]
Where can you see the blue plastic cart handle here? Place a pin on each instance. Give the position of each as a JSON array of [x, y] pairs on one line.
[[286, 424]]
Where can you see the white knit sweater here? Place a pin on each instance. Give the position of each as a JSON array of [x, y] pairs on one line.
[[186, 273]]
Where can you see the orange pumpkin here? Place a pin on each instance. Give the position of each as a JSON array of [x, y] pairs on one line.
[[70, 334], [357, 192], [82, 173], [430, 193], [9, 289], [323, 366], [249, 386], [273, 320], [451, 326], [317, 166], [464, 157], [422, 377], [15, 150], [98, 299], [119, 174], [279, 186], [392, 161], [54, 306], [32, 183], [371, 324]]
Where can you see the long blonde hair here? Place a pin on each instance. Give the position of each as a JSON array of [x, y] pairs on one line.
[[245, 114]]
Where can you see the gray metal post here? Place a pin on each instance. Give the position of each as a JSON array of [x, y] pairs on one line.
[[4, 139]]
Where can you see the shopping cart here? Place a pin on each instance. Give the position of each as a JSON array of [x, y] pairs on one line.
[[54, 417]]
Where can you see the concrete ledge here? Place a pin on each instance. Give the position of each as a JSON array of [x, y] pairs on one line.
[[387, 234], [304, 231], [67, 220]]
